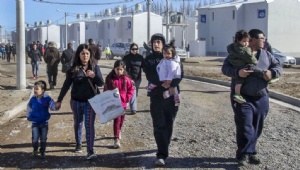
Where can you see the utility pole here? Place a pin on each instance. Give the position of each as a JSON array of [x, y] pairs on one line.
[[20, 45], [148, 20], [167, 20], [132, 26], [183, 31], [66, 36], [66, 27]]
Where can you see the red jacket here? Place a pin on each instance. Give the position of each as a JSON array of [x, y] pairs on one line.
[[125, 93]]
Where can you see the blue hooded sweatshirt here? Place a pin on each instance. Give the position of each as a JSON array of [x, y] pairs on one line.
[[38, 109]]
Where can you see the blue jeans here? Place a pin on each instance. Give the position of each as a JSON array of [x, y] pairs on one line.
[[82, 111], [133, 101], [35, 67], [39, 132]]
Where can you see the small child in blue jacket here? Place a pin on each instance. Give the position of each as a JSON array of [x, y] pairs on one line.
[[38, 114]]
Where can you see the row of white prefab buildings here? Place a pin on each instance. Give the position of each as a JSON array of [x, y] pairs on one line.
[[208, 34]]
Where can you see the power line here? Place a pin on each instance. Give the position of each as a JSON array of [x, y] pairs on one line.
[[66, 3]]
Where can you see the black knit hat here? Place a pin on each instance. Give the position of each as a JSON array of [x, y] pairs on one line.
[[158, 36]]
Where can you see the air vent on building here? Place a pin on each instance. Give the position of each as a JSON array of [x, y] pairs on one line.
[[138, 7], [107, 12], [41, 23], [87, 15], [35, 23], [78, 16], [118, 11], [48, 22], [196, 13]]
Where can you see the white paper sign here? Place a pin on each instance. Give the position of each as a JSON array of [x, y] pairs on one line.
[[107, 105]]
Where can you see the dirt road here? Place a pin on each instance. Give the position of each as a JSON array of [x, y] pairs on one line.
[[204, 136]]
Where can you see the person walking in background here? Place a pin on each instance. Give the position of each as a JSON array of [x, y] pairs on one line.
[[8, 52], [46, 45], [163, 111], [38, 113], [134, 64], [96, 52], [249, 116], [268, 47], [14, 51], [36, 58], [28, 49], [40, 47], [147, 48], [52, 59], [84, 76], [3, 51], [67, 58], [118, 78], [169, 69], [107, 52]]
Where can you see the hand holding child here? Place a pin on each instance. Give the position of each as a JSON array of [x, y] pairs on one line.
[[166, 84], [172, 90], [57, 105]]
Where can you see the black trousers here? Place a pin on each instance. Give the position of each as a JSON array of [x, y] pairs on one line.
[[163, 113], [52, 74]]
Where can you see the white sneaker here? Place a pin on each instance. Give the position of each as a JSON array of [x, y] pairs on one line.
[[117, 144], [160, 162]]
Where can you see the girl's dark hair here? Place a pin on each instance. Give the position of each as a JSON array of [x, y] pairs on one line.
[[133, 44], [241, 34], [109, 80], [171, 46], [77, 64], [41, 84]]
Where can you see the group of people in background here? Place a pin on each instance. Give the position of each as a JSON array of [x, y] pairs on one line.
[[250, 66], [8, 52]]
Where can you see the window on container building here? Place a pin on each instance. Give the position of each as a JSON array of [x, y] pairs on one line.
[[108, 25], [129, 40], [233, 14], [213, 16], [212, 41]]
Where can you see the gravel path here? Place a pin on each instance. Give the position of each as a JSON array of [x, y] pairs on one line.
[[204, 137]]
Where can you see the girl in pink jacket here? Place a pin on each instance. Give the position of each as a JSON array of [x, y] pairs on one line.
[[118, 78]]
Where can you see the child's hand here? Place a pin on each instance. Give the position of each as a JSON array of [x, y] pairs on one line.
[[172, 91], [166, 84], [57, 105]]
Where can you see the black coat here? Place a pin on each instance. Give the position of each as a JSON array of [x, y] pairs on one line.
[[134, 65]]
